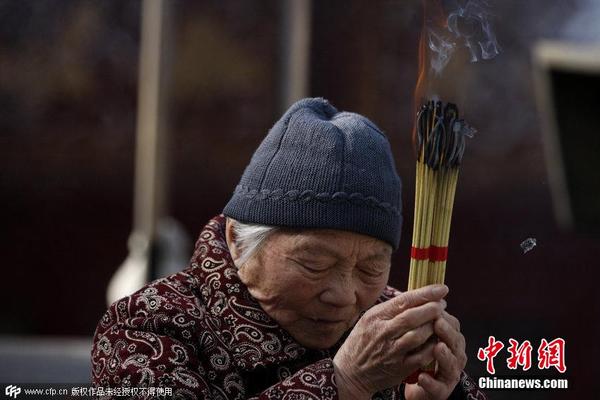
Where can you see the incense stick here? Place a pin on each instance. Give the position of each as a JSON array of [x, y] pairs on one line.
[[440, 144]]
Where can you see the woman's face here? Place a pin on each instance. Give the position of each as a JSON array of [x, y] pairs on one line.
[[316, 283]]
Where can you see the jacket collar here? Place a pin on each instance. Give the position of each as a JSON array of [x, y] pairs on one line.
[[252, 336]]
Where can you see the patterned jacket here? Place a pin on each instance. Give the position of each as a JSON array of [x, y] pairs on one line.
[[200, 333]]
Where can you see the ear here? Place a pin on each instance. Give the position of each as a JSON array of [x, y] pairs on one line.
[[231, 240]]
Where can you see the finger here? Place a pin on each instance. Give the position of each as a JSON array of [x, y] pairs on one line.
[[420, 358], [411, 299], [430, 340], [452, 320], [448, 369], [413, 318], [447, 334], [433, 387], [414, 338]]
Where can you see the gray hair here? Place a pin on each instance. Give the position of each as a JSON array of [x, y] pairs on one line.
[[249, 238]]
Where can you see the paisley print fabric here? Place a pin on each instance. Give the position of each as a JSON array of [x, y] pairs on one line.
[[202, 334]]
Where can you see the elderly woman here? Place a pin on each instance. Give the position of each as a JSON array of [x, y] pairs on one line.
[[286, 296]]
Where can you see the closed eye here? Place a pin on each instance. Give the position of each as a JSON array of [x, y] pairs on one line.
[[372, 272], [313, 270]]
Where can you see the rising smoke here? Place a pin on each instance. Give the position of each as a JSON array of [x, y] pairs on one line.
[[467, 25]]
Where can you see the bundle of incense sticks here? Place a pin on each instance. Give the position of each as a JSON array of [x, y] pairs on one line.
[[440, 145]]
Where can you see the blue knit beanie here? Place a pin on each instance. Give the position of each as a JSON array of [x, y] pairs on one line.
[[321, 168]]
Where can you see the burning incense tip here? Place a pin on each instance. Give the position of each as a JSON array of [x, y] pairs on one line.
[[440, 135], [528, 244]]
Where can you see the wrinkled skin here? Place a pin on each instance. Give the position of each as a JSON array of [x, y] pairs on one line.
[[316, 284], [394, 339]]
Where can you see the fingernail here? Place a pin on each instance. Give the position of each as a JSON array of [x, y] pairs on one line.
[[424, 377], [440, 291], [444, 304]]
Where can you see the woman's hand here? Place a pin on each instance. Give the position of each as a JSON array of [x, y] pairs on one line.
[[390, 341], [451, 359]]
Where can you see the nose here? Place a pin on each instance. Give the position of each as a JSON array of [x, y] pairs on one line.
[[340, 292]]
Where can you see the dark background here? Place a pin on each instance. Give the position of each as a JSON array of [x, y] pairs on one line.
[[68, 87]]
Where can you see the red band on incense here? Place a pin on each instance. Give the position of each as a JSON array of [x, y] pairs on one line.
[[432, 253], [419, 253], [438, 253]]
